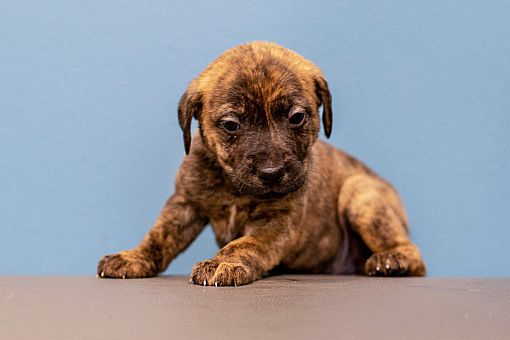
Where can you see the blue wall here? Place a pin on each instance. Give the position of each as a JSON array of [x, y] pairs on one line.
[[89, 141]]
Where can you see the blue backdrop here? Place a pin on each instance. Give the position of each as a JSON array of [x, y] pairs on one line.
[[89, 140]]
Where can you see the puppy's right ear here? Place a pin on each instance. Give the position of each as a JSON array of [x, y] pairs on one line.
[[190, 106]]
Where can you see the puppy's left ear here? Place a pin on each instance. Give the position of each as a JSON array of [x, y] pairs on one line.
[[190, 107], [322, 90]]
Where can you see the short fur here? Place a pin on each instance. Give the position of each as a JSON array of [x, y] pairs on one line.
[[278, 199]]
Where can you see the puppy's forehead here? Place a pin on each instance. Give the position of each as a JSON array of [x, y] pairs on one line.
[[264, 84]]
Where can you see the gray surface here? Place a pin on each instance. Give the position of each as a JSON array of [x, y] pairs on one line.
[[282, 307]]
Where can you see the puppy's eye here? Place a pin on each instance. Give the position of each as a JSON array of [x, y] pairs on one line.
[[230, 125], [296, 118]]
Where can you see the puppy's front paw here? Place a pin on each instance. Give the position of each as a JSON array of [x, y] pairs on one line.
[[388, 263], [126, 264], [202, 272], [213, 272]]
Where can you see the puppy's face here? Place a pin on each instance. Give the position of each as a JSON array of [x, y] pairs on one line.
[[257, 107]]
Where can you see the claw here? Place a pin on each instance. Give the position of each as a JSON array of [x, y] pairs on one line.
[[216, 284], [377, 268], [235, 284], [102, 273], [205, 283], [124, 276], [387, 266]]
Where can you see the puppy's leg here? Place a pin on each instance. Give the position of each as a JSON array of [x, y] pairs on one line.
[[374, 210], [245, 259], [176, 227]]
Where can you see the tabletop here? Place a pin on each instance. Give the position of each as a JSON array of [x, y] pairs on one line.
[[278, 307]]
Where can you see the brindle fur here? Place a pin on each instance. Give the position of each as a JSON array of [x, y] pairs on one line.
[[328, 214]]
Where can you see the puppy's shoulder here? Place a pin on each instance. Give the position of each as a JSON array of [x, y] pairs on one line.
[[199, 173], [337, 162]]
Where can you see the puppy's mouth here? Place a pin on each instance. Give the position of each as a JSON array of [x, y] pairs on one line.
[[275, 192], [273, 195]]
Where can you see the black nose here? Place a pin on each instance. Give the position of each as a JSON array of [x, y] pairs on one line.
[[271, 175]]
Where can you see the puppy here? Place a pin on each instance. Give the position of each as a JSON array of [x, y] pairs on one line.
[[277, 198]]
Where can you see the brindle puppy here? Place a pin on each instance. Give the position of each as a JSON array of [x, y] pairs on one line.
[[277, 198]]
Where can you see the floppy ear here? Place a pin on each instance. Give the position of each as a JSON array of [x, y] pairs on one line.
[[190, 106], [321, 87]]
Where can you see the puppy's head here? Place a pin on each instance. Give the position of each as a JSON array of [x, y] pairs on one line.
[[257, 107]]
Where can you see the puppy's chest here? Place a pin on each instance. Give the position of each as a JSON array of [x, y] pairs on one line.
[[228, 219]]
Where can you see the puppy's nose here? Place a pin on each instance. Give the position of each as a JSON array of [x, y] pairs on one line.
[[271, 175]]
